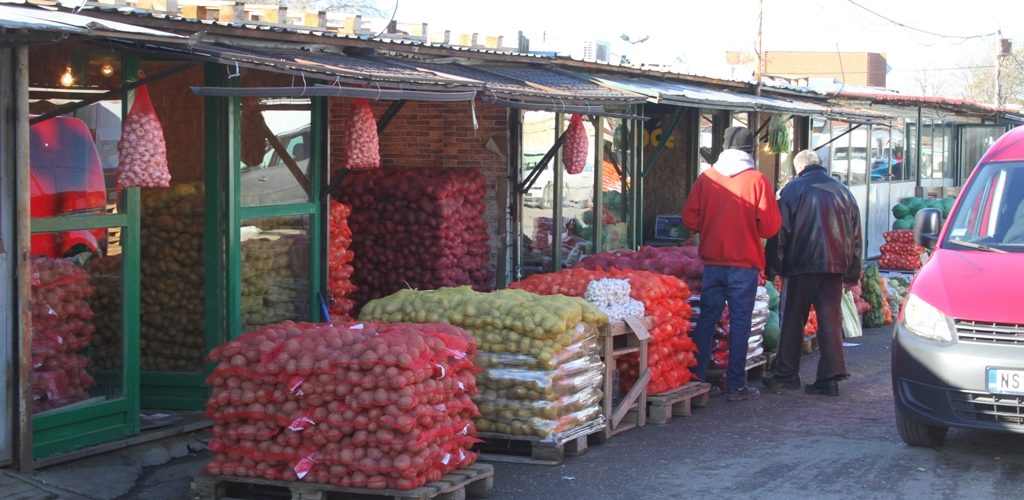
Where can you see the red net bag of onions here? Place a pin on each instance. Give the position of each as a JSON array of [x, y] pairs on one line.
[[142, 159], [362, 147], [574, 151]]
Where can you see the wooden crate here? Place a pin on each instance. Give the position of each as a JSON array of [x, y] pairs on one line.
[[679, 402], [477, 480], [619, 339], [497, 447]]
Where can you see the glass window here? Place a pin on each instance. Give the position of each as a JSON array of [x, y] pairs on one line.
[[275, 271], [539, 232], [975, 141], [948, 165], [911, 157], [615, 183], [577, 204], [740, 119], [991, 211], [276, 151], [706, 157], [76, 330]]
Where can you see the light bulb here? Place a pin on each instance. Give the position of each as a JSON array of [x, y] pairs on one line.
[[67, 79], [106, 70]]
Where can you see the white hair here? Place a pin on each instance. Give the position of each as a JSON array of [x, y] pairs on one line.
[[805, 158]]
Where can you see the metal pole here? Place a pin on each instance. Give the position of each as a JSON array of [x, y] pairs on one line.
[[23, 271]]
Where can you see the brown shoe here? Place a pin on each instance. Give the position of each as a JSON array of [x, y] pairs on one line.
[[743, 393]]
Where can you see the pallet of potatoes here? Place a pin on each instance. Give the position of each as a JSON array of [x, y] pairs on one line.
[[535, 450], [476, 481], [679, 402]]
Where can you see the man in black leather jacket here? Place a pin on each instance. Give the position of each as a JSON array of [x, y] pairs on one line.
[[817, 250]]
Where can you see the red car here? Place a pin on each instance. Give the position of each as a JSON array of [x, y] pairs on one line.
[[67, 178]]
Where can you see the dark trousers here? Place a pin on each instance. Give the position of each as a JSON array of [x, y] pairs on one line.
[[825, 292], [736, 286]]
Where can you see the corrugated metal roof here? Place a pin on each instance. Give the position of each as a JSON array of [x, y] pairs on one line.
[[40, 19], [683, 94]]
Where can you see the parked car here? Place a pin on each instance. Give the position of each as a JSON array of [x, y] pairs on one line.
[[958, 345], [66, 178], [271, 182]]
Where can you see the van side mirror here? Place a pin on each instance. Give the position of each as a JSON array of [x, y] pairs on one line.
[[926, 227]]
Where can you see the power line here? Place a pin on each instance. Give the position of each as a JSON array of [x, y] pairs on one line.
[[905, 26]]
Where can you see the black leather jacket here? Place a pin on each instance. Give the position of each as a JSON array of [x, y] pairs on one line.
[[820, 228]]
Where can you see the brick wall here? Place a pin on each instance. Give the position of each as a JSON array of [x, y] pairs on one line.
[[437, 134]]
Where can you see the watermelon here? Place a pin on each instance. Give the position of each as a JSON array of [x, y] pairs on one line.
[[947, 206], [772, 330], [904, 223], [900, 211], [914, 204], [773, 296]]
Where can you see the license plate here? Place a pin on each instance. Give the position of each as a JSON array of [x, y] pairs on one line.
[[1005, 381]]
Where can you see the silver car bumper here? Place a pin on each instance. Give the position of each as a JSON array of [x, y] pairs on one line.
[[944, 384]]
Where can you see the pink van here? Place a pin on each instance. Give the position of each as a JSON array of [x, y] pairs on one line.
[[958, 347]]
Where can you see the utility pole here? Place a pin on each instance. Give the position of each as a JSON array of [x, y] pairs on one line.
[[760, 48], [999, 65]]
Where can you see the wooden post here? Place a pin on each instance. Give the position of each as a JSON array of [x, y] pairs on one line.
[[23, 271]]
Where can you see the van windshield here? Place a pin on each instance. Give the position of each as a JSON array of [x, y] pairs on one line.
[[991, 210]]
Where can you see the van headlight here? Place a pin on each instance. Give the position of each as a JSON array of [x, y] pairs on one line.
[[925, 320]]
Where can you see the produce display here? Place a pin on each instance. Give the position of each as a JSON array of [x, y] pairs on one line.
[[339, 258], [907, 208], [362, 145], [899, 251], [886, 309], [173, 280], [874, 296], [275, 270], [670, 352], [575, 146], [61, 327], [541, 374], [368, 405], [105, 277], [142, 152], [417, 228], [611, 296], [896, 291], [681, 262]]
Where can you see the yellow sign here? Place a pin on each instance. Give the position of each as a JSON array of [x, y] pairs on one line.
[[653, 138]]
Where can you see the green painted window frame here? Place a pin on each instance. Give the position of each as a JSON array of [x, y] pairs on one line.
[[64, 429]]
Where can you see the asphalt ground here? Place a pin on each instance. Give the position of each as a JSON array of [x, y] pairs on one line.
[[786, 444]]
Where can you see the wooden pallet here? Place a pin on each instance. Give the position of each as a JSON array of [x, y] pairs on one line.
[[679, 402], [810, 344], [497, 447], [756, 368], [619, 339], [477, 480]]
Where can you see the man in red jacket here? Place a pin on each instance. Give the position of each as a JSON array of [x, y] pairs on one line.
[[732, 206]]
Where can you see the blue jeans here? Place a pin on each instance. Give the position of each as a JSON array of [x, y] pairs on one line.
[[736, 286]]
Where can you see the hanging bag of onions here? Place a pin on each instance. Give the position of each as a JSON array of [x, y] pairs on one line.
[[574, 150], [362, 147], [142, 152]]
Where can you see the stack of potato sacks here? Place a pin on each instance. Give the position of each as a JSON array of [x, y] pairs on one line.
[[371, 405], [275, 270], [339, 261], [899, 251], [417, 228], [540, 356], [173, 279], [671, 352], [105, 276], [61, 327]]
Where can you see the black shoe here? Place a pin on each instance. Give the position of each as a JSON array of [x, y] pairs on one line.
[[780, 382], [715, 391], [743, 393], [823, 388]]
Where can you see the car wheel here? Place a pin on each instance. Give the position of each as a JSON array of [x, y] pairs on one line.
[[915, 433]]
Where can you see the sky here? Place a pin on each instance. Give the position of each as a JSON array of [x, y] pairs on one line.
[[696, 34]]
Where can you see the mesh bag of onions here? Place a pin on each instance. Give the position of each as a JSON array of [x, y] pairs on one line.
[[574, 151], [142, 159], [417, 228], [362, 146], [366, 405], [339, 263], [61, 327]]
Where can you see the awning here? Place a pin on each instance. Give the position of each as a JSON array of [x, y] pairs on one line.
[[521, 86], [39, 19]]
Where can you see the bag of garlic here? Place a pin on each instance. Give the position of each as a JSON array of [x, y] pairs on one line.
[[612, 297], [142, 152], [574, 151], [362, 146]]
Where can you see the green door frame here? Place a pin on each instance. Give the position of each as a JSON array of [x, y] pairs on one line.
[[65, 429]]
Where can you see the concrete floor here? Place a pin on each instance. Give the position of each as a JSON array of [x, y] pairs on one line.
[[784, 445]]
